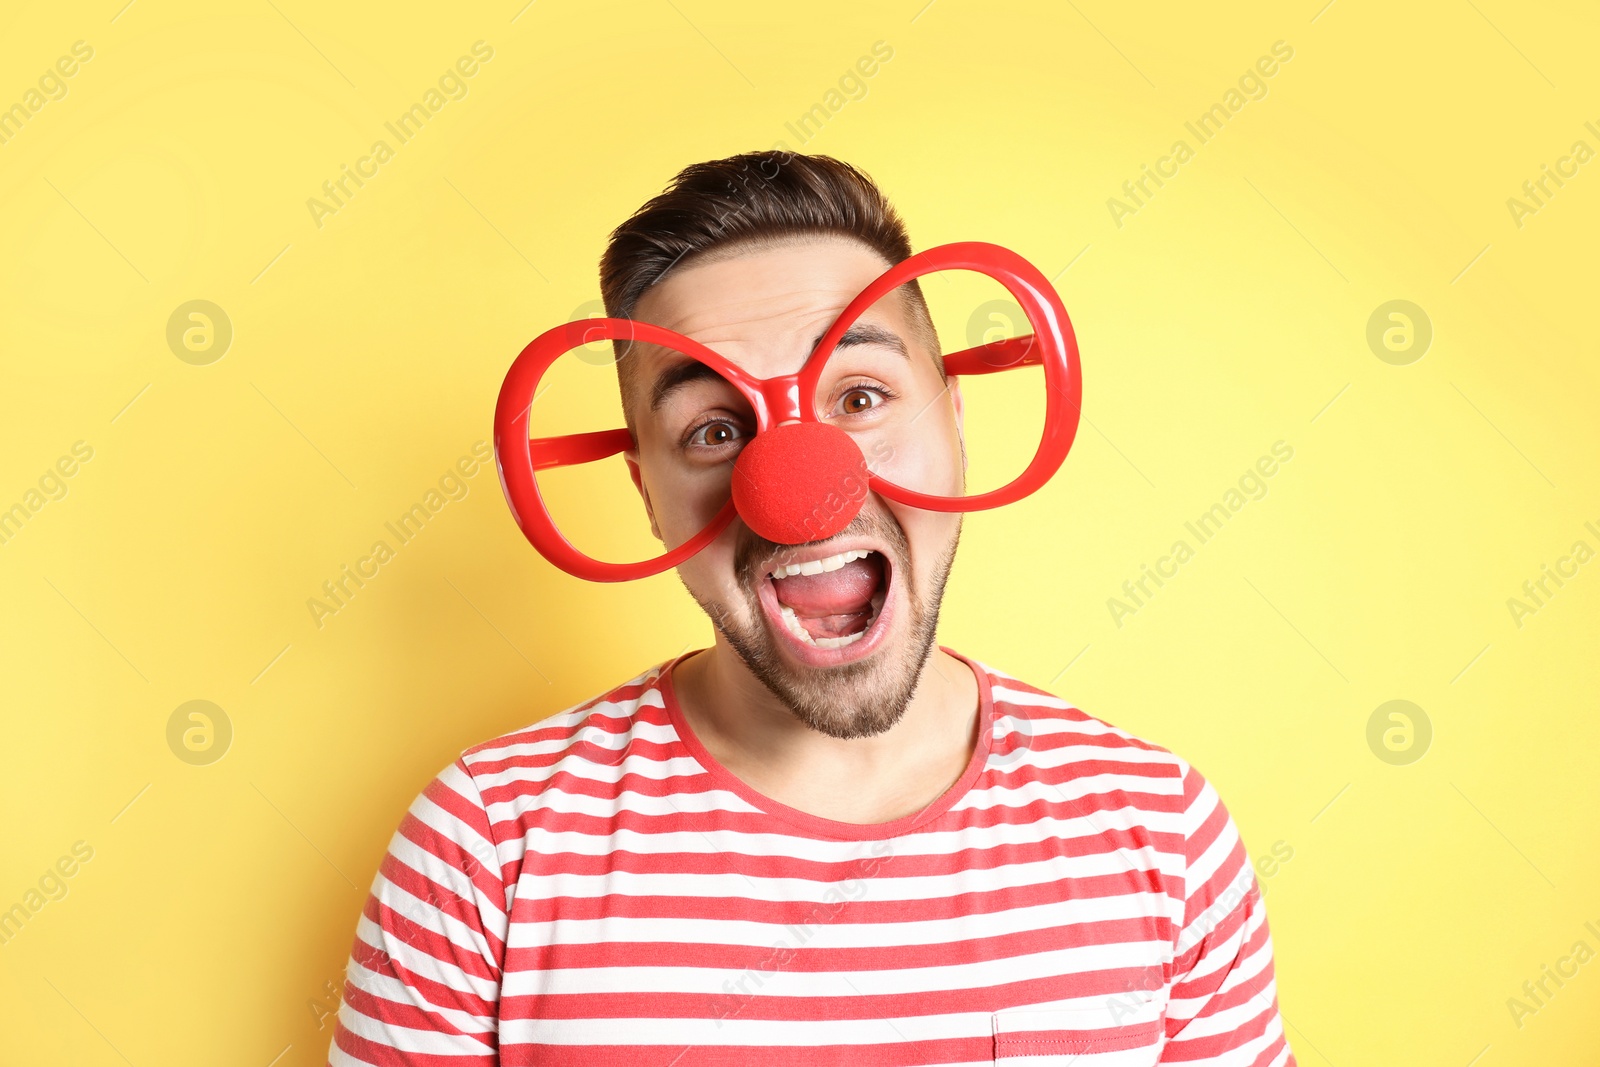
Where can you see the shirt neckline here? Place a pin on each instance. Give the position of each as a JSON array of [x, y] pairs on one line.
[[816, 824]]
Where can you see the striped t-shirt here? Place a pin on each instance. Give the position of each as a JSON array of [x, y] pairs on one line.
[[597, 889]]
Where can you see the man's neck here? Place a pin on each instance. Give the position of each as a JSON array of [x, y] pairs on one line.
[[864, 780]]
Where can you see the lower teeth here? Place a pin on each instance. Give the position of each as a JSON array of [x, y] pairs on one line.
[[792, 621]]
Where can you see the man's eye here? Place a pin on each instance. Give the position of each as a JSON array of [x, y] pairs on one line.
[[861, 398], [717, 434]]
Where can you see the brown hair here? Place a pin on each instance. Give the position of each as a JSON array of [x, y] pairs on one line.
[[726, 206]]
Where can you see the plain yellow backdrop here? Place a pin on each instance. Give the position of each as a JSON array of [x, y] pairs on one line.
[[1228, 312]]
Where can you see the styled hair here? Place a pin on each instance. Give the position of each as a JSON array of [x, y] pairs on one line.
[[724, 207]]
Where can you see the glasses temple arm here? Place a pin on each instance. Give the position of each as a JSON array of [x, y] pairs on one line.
[[575, 448], [1023, 351]]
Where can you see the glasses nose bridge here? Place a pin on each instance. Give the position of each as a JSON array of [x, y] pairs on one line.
[[780, 398]]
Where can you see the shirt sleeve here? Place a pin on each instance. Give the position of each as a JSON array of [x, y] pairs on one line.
[[1222, 1009], [422, 986]]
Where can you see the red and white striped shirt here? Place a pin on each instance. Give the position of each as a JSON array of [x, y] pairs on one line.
[[597, 889]]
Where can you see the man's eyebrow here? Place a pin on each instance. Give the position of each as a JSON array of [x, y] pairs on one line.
[[675, 377], [688, 371], [865, 333]]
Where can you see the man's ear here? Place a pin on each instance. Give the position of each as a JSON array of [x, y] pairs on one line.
[[631, 457], [961, 430]]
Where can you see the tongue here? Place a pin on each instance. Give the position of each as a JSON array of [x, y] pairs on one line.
[[834, 603]]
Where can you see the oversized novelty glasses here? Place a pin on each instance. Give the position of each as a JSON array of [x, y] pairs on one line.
[[793, 456]]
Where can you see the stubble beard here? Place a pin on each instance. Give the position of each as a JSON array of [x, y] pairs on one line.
[[853, 700]]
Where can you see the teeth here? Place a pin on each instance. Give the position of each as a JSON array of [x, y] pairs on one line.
[[792, 621], [838, 642], [820, 566]]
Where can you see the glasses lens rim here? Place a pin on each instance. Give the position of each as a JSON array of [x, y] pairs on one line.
[[1062, 378]]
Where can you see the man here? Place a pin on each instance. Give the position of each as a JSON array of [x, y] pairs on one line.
[[824, 838]]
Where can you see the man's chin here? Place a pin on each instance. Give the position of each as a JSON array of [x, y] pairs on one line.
[[861, 687], [860, 690], [861, 698]]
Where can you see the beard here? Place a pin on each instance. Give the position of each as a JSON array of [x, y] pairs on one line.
[[859, 699]]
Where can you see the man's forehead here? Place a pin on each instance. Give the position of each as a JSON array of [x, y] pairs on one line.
[[762, 309], [764, 293]]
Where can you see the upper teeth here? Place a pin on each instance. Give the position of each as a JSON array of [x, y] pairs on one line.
[[818, 566]]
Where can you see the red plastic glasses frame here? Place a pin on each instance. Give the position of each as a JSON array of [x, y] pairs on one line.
[[788, 397]]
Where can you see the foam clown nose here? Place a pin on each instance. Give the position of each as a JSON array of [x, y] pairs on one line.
[[799, 482]]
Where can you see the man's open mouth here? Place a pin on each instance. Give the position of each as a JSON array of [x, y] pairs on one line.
[[827, 604]]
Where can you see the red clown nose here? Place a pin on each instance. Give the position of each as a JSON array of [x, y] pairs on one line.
[[799, 482]]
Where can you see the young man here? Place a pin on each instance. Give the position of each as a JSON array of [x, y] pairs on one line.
[[824, 838]]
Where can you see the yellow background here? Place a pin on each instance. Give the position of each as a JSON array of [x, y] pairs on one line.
[[1228, 313]]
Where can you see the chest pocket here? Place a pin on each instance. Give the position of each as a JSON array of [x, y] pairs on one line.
[[1114, 1034]]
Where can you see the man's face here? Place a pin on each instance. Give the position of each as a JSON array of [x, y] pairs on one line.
[[844, 648]]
